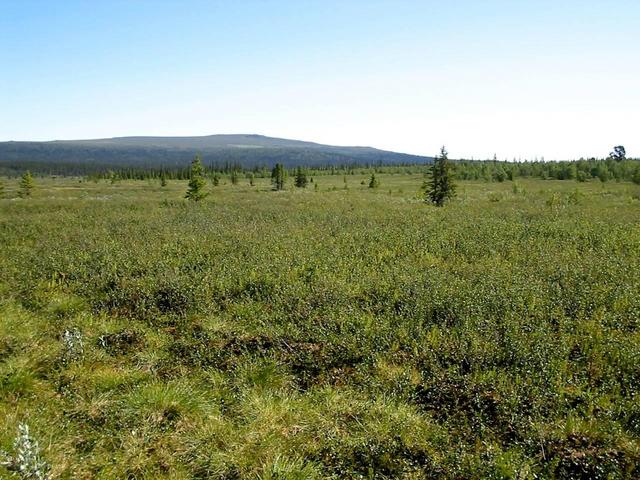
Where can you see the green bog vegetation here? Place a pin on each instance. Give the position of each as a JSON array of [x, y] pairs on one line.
[[334, 331]]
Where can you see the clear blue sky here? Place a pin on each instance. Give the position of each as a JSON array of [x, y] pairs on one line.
[[559, 79]]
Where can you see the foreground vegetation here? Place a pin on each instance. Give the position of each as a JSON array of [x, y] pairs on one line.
[[336, 331]]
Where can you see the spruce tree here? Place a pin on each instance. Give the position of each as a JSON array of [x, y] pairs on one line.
[[277, 177], [374, 182], [301, 178], [26, 185], [234, 177], [440, 187], [163, 179], [196, 192]]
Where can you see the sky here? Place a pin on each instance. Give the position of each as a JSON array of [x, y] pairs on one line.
[[518, 79]]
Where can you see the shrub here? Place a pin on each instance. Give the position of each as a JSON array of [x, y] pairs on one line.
[[26, 461], [73, 345]]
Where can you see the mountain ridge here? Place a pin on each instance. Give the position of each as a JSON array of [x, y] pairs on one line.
[[192, 141], [246, 150]]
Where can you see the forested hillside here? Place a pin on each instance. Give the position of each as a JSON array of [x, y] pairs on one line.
[[81, 157]]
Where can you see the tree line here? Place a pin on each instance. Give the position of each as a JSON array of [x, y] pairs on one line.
[[438, 190], [476, 170], [581, 170], [617, 168]]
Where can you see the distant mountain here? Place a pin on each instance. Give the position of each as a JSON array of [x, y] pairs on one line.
[[245, 150]]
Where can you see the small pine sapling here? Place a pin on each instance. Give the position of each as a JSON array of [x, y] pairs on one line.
[[373, 181], [196, 192], [26, 185]]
